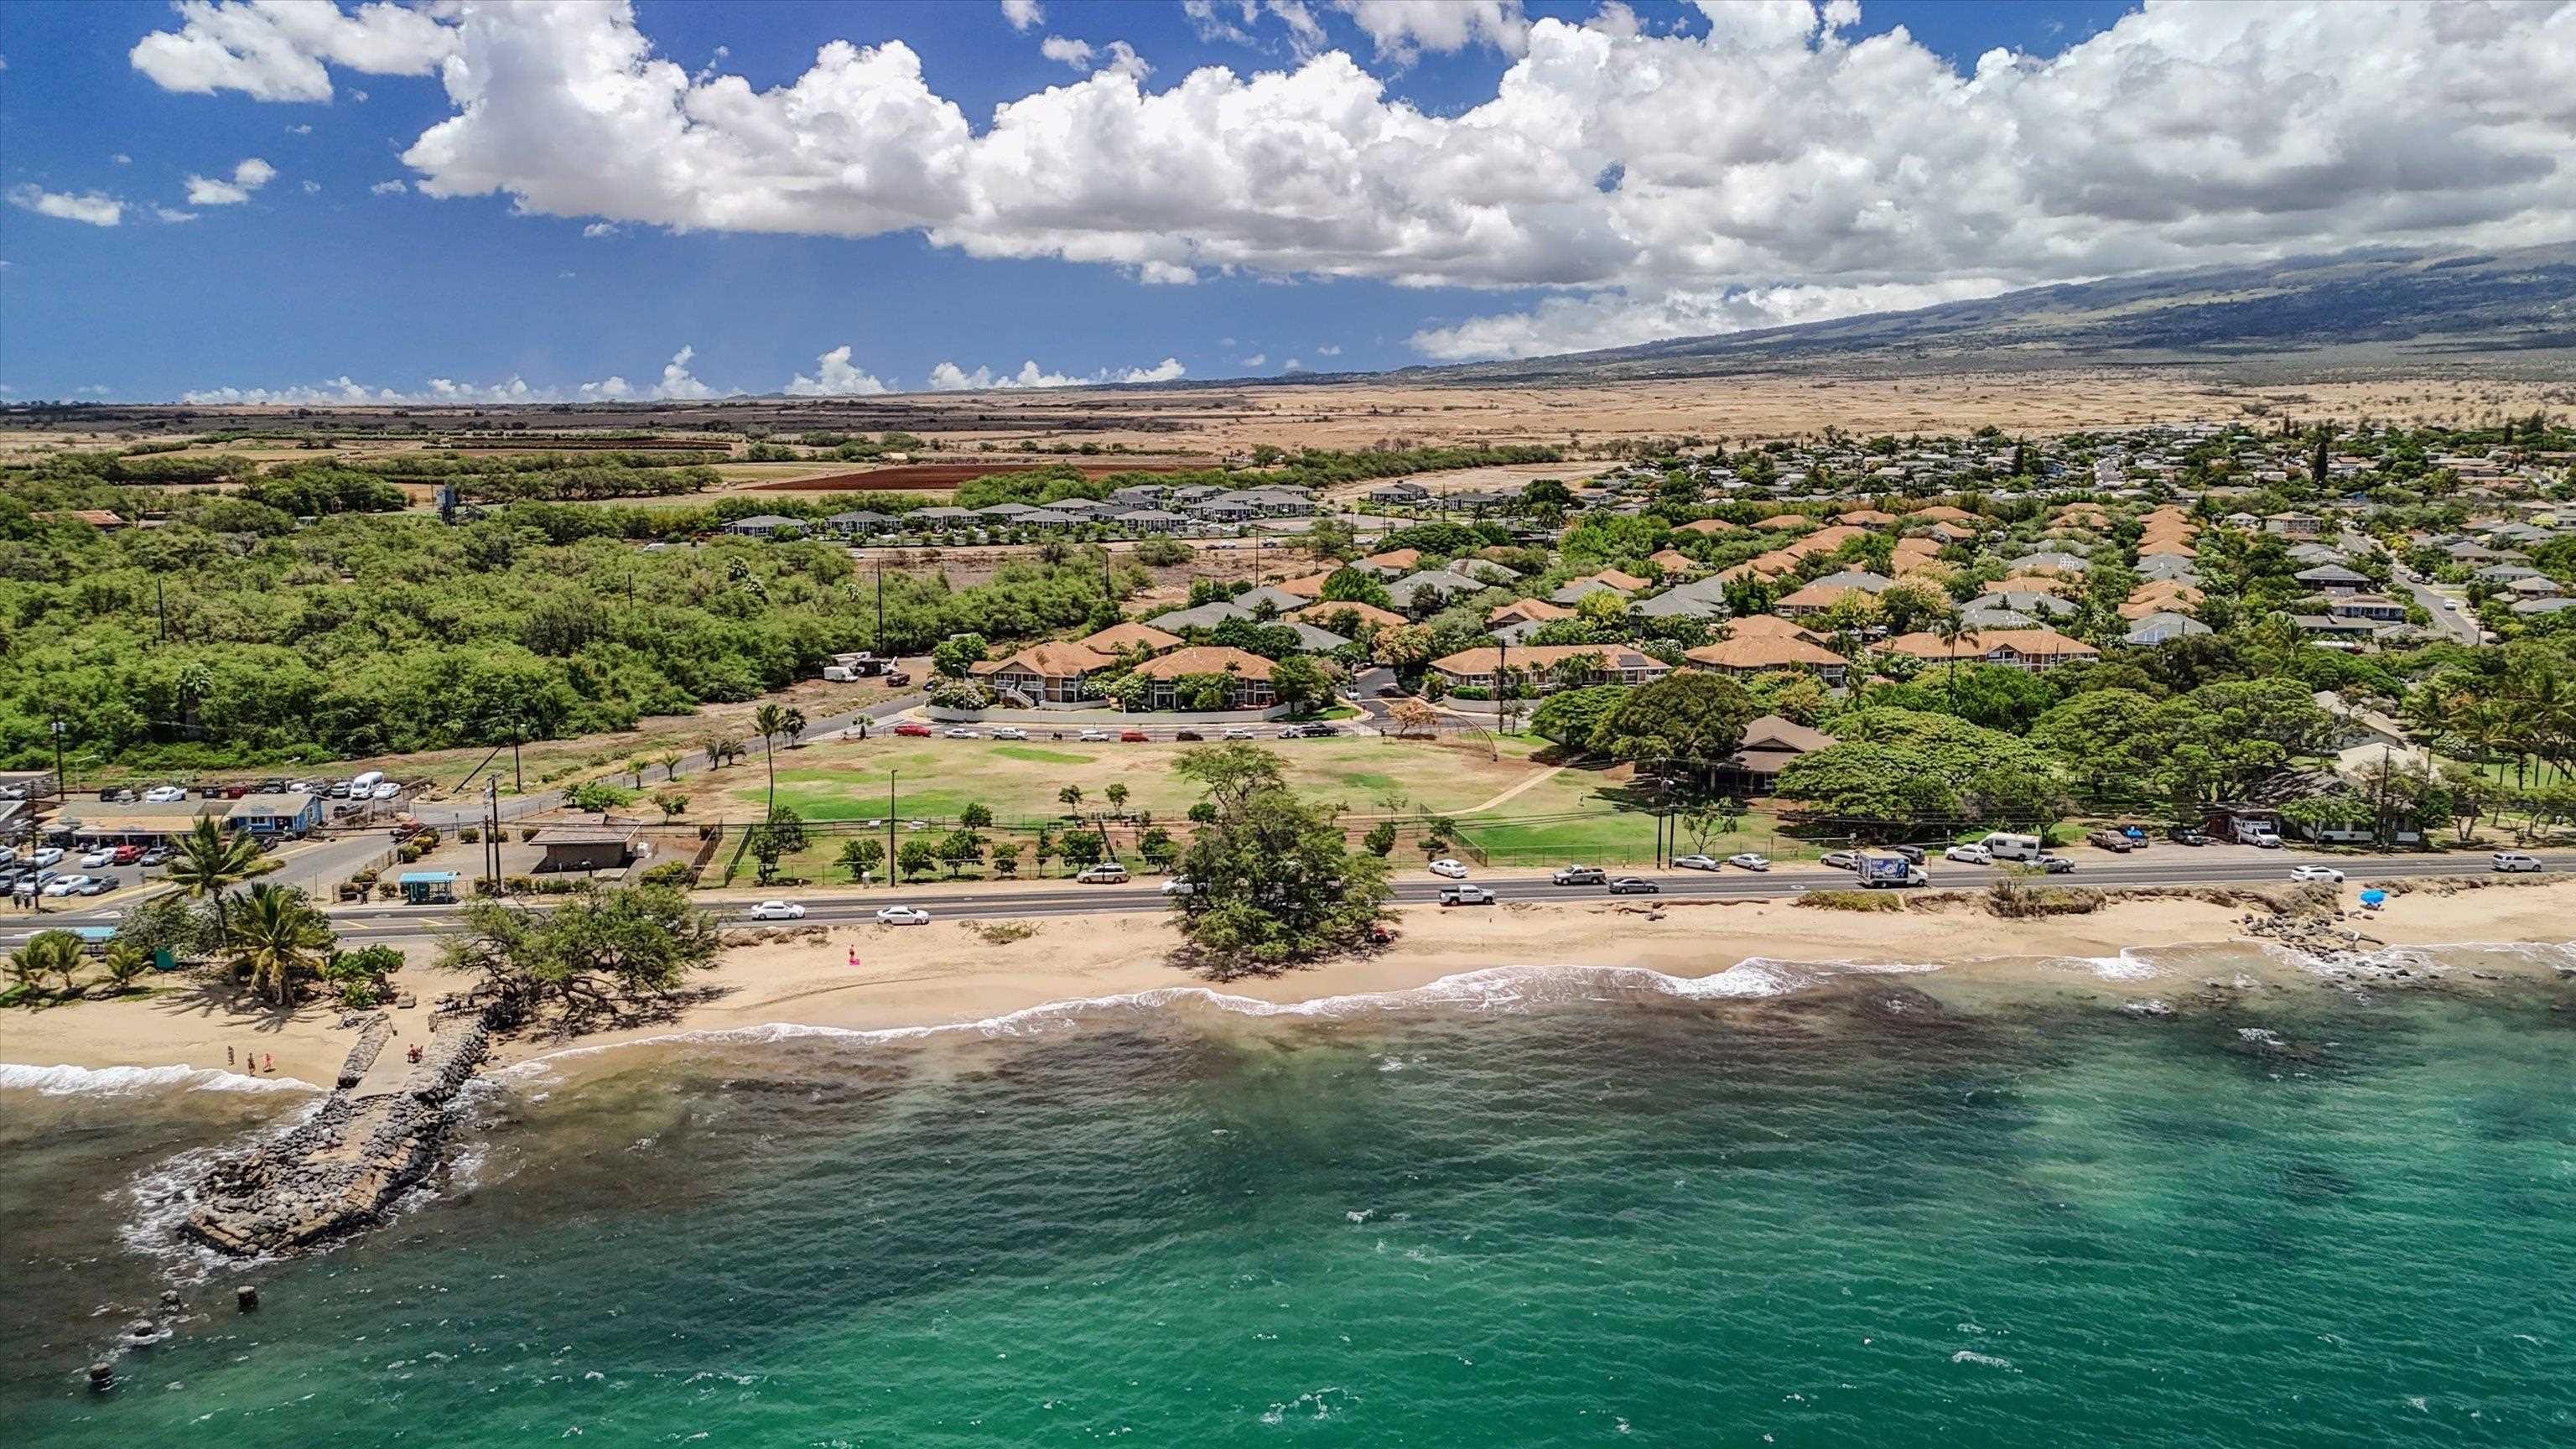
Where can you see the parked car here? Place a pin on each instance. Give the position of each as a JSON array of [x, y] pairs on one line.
[[903, 916], [897, 678], [1969, 855], [1910, 854], [1454, 869], [2185, 835], [1007, 733], [47, 855], [1108, 872], [2316, 873], [63, 885], [94, 885], [1749, 860], [960, 732], [116, 796], [157, 855], [126, 855], [1694, 862], [104, 855], [913, 731], [1094, 736], [164, 795], [1466, 895], [1631, 885], [1180, 885], [2053, 864], [1187, 736], [1580, 875], [776, 911], [2514, 860], [1131, 737], [2112, 841], [386, 791]]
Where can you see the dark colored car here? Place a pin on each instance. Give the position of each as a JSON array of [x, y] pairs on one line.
[[2054, 864], [1629, 885], [1910, 854], [2111, 840], [897, 678], [2185, 835], [1186, 735]]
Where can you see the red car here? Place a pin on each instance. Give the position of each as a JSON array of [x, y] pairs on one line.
[[128, 854], [917, 731], [1131, 737]]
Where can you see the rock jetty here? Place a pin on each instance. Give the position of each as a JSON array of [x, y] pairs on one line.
[[341, 1169]]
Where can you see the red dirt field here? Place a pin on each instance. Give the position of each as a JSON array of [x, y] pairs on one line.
[[948, 475]]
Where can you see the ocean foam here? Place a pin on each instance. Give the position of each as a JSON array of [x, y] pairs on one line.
[[67, 1081], [1491, 988]]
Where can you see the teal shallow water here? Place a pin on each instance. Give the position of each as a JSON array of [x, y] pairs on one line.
[[1853, 1218]]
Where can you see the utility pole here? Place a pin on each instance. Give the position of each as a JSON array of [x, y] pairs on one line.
[[492, 832], [880, 639], [161, 606], [62, 782], [518, 732], [890, 871]]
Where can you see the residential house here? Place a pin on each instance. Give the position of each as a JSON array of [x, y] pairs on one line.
[[2024, 601], [1535, 611], [1770, 743], [2375, 607], [1248, 676], [764, 525], [2332, 579], [1410, 592], [1047, 673], [2037, 650], [1342, 616], [2157, 627], [1149, 520], [1742, 654], [1128, 638], [1544, 667], [607, 846], [861, 520], [2293, 525]]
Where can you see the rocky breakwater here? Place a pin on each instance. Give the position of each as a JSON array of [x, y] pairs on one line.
[[341, 1168]]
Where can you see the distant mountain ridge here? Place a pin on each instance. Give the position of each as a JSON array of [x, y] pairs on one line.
[[2507, 313]]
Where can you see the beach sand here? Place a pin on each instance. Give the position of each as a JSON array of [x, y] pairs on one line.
[[950, 973]]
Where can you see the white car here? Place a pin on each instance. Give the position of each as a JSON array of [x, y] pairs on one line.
[[1094, 737], [2515, 860], [163, 795], [1694, 862], [1180, 885], [63, 885], [776, 911], [903, 916], [1454, 869], [1969, 855], [386, 791], [104, 855], [1749, 860], [2316, 872], [1010, 734], [1237, 733], [963, 733], [49, 855]]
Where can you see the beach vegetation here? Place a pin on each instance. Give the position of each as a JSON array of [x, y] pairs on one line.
[[1276, 881], [211, 860], [606, 951], [277, 941]]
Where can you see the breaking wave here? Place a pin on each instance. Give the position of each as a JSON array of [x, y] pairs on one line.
[[67, 1081]]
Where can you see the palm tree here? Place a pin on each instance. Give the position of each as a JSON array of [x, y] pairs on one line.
[[1954, 630], [282, 938], [50, 953], [636, 765], [791, 723], [1071, 798], [669, 760], [124, 961], [771, 722], [210, 861]]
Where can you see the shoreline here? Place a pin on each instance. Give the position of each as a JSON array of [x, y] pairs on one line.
[[954, 975]]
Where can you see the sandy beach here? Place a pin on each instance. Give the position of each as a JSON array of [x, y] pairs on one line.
[[954, 973]]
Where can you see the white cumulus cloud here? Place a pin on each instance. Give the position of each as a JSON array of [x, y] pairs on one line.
[[949, 377], [248, 177], [89, 206], [282, 50], [394, 187], [1115, 58], [1771, 168], [676, 384], [1023, 15], [836, 376]]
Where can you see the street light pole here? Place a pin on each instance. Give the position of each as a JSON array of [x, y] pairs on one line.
[[890, 779], [62, 783]]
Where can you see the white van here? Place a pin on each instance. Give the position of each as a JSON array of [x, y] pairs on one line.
[[364, 781], [2011, 847]]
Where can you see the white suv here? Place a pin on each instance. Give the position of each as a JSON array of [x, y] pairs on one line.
[[2515, 860], [1969, 855]]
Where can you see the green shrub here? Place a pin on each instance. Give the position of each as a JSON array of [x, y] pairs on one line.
[[1861, 900]]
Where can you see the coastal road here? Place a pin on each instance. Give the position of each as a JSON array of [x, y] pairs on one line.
[[377, 923]]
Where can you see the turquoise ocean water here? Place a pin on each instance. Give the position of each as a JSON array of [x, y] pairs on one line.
[[1898, 1211]]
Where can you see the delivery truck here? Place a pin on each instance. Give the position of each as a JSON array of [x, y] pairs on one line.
[[1891, 870]]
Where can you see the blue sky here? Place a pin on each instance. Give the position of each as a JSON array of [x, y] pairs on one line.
[[1401, 191]]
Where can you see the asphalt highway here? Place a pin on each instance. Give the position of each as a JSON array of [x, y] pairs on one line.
[[2159, 866]]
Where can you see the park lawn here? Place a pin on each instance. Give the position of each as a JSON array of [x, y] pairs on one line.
[[936, 779], [1587, 815]]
